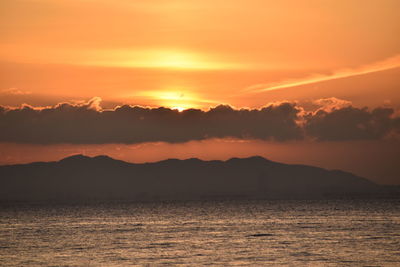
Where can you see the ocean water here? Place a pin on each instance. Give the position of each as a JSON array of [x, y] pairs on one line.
[[225, 233]]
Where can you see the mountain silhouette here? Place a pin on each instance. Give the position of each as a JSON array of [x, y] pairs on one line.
[[102, 178]]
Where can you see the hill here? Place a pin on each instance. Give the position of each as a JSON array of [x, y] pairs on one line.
[[102, 178]]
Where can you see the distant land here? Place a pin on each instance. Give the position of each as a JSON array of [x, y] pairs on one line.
[[101, 178]]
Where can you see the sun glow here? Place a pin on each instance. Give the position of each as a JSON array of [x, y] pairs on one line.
[[157, 58]]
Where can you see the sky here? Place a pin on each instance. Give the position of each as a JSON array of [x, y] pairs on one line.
[[308, 82]]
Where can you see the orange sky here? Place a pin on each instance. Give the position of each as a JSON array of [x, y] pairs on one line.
[[198, 54], [190, 53]]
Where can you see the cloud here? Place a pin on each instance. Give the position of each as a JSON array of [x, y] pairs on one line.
[[350, 123], [331, 103], [389, 63], [88, 123]]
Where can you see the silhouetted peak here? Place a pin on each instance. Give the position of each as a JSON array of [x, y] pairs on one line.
[[169, 161], [254, 159], [103, 157], [257, 158], [77, 157], [193, 160]]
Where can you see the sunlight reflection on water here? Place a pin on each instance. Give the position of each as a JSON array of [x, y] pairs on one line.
[[334, 232]]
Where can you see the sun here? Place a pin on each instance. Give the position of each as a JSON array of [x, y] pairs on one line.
[[174, 99], [180, 109]]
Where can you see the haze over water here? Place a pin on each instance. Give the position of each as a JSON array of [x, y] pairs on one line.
[[221, 233]]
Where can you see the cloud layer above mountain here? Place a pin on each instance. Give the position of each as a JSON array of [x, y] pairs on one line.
[[88, 123]]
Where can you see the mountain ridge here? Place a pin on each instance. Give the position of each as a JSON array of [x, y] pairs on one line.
[[80, 177]]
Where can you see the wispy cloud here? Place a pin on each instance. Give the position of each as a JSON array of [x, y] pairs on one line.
[[389, 63], [14, 91]]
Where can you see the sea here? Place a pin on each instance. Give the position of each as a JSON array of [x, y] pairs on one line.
[[337, 232]]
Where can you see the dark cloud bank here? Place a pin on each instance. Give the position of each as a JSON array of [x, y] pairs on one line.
[[87, 123]]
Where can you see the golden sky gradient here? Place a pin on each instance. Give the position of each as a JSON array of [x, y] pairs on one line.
[[205, 51]]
